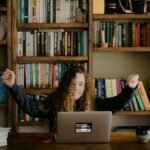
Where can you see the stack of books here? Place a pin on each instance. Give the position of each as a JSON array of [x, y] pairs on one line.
[[3, 136]]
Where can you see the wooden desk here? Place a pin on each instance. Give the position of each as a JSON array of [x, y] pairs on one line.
[[119, 141]]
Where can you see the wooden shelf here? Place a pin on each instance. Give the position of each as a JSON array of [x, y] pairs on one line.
[[3, 42], [39, 91], [133, 113], [3, 105], [121, 16], [34, 123], [122, 49], [47, 59], [3, 9], [48, 26]]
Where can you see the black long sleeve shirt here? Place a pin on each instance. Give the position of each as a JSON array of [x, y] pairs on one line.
[[107, 104], [31, 107]]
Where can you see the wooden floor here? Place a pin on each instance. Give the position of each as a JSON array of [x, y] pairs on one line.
[[119, 141]]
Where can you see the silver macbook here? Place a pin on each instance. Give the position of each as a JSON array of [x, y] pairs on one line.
[[83, 127]]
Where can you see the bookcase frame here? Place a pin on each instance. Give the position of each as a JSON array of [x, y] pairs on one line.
[[91, 49], [6, 10], [46, 59]]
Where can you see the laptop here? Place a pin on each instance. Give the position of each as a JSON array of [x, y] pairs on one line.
[[83, 127]]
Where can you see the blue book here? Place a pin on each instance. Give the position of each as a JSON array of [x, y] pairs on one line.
[[3, 92]]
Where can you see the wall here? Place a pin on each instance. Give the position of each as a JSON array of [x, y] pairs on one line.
[[116, 65]]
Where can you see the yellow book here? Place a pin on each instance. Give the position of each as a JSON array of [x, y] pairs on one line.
[[98, 6]]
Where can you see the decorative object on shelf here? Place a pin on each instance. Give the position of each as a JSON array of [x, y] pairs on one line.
[[104, 45], [2, 1], [135, 6], [143, 134], [79, 18], [111, 7], [148, 6]]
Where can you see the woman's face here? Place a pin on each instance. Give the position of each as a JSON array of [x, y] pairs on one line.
[[78, 85]]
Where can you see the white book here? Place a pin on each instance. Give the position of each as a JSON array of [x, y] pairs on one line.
[[67, 8], [41, 12], [114, 87], [35, 43], [27, 43], [38, 10], [19, 43], [52, 44], [63, 11], [30, 11], [58, 13], [51, 11], [3, 143], [20, 71], [4, 129], [45, 11]]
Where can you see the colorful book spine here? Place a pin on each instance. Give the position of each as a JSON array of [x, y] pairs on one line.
[[143, 95]]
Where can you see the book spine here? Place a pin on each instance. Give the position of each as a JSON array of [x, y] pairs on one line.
[[143, 95]]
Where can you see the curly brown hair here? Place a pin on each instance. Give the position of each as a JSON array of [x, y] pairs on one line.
[[64, 90]]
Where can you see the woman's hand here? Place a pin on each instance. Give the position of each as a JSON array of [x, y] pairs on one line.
[[133, 80], [9, 77]]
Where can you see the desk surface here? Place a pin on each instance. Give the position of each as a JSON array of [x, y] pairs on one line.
[[119, 141]]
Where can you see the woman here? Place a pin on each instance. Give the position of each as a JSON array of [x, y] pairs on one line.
[[75, 93]]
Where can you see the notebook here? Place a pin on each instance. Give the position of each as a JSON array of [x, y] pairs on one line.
[[83, 127]]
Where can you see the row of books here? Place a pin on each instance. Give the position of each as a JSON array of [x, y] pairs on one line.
[[50, 11], [122, 34], [24, 117], [112, 87], [42, 75], [52, 43]]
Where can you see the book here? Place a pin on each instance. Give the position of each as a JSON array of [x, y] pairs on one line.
[[98, 6], [4, 136], [139, 100], [135, 104], [108, 87], [143, 95], [3, 91]]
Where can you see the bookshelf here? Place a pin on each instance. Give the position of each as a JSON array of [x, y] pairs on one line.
[[120, 51], [140, 52], [5, 51], [53, 25]]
